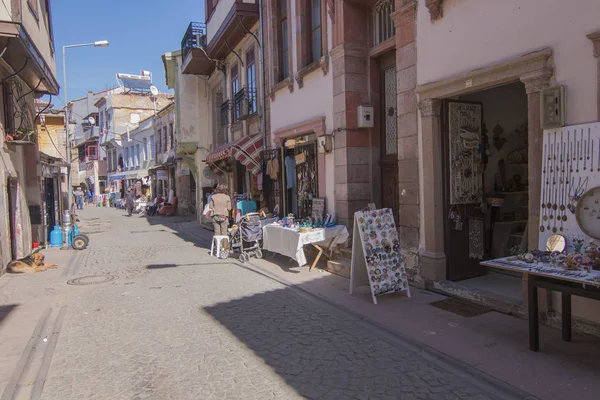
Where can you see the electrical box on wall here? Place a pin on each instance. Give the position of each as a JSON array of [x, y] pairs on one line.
[[553, 107], [365, 117], [325, 144]]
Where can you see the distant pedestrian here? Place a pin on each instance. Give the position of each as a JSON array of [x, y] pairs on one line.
[[78, 193], [130, 201]]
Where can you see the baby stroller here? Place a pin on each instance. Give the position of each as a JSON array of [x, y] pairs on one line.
[[244, 237]]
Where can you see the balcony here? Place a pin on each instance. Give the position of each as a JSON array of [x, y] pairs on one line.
[[91, 132], [244, 104], [227, 24], [193, 51]]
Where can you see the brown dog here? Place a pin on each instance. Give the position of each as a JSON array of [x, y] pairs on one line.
[[29, 264]]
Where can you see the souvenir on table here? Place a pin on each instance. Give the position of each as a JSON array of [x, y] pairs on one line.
[[380, 248]]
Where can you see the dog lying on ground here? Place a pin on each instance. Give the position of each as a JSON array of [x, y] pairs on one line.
[[29, 264]]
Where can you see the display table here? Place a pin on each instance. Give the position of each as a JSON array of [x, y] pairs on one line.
[[543, 275], [289, 242]]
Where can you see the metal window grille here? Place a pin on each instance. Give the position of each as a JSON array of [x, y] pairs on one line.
[[383, 26]]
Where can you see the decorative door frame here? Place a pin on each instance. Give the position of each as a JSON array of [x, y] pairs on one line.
[[535, 72]]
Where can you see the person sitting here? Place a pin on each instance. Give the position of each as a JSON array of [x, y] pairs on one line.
[[152, 210]]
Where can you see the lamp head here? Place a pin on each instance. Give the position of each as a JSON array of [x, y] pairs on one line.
[[101, 43]]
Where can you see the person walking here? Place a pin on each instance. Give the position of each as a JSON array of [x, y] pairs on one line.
[[220, 204], [78, 193], [130, 201]]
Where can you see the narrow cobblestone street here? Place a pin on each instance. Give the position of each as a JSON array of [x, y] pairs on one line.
[[174, 323]]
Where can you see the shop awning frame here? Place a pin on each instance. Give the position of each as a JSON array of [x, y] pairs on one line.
[[247, 150]]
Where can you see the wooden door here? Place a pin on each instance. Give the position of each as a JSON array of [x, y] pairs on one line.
[[389, 134], [463, 188]]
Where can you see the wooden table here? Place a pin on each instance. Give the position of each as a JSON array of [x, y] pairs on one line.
[[543, 275]]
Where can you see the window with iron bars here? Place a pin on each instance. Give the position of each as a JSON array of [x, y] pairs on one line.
[[383, 26]]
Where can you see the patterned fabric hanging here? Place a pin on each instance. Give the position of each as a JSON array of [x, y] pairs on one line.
[[476, 236]]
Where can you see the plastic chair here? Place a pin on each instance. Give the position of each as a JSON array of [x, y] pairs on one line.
[[219, 239]]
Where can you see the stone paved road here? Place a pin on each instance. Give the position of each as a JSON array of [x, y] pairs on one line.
[[177, 324]]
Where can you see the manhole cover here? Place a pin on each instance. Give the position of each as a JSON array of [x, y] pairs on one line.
[[459, 307], [91, 280]]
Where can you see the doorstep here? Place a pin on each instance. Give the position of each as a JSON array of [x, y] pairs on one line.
[[488, 291]]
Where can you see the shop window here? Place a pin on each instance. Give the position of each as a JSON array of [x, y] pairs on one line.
[[383, 26], [251, 81]]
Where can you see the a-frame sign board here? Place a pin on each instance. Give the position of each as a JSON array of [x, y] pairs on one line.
[[376, 258]]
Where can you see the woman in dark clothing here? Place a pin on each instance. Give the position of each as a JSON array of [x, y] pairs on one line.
[[130, 202]]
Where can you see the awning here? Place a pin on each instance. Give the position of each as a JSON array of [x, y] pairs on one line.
[[116, 177], [246, 150]]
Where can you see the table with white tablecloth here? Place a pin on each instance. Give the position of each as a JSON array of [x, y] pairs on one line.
[[290, 242]]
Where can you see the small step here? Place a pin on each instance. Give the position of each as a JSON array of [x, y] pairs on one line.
[[339, 267]]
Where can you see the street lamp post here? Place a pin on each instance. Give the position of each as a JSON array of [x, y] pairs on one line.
[[101, 43]]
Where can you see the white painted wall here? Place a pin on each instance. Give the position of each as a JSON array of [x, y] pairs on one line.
[[475, 34], [219, 14]]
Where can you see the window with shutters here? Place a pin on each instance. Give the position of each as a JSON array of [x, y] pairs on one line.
[[283, 40], [315, 22], [251, 81]]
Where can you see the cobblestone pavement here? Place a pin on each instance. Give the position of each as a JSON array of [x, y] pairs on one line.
[[178, 324]]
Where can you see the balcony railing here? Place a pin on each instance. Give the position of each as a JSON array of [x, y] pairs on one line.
[[195, 37], [244, 104], [225, 116]]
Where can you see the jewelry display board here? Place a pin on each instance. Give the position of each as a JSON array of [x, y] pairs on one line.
[[570, 192], [376, 257]]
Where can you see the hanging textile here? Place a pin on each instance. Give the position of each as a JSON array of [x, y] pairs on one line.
[[476, 236]]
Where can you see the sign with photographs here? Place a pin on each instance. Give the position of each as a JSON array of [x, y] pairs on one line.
[[376, 257]]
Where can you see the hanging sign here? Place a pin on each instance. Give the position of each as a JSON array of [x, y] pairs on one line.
[[300, 158], [376, 257], [161, 175]]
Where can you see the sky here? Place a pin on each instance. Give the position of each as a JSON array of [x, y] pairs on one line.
[[138, 33]]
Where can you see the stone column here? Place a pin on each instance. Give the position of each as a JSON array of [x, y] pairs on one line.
[[595, 38], [350, 68], [408, 136], [433, 257], [534, 83]]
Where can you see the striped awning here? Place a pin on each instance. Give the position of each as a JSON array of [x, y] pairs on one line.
[[246, 150]]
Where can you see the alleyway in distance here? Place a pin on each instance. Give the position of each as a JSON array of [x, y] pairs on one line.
[[175, 323]]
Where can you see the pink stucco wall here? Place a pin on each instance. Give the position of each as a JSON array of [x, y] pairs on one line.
[[475, 34]]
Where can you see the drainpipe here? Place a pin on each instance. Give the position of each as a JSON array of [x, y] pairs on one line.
[[262, 73]]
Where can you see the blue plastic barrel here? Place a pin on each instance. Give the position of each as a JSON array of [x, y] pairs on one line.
[[56, 237]]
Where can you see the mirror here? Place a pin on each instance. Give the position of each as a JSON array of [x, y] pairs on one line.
[[556, 243]]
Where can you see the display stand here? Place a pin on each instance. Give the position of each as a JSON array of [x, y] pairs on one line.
[[376, 258]]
